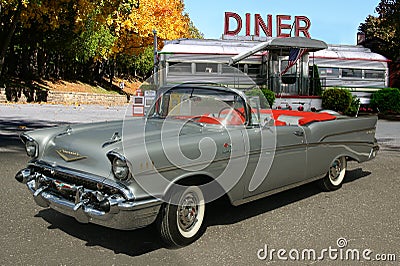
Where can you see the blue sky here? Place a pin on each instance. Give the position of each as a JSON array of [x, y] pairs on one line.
[[335, 22]]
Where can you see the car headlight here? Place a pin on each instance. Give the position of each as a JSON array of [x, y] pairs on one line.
[[120, 169], [119, 165], [31, 148]]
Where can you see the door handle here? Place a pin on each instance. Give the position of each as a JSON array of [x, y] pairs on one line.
[[299, 133]]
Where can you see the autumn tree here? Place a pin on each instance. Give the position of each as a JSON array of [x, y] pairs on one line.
[[65, 37], [135, 31]]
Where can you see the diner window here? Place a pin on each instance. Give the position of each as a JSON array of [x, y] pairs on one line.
[[179, 67], [292, 70], [253, 69], [243, 68], [206, 68], [225, 69]]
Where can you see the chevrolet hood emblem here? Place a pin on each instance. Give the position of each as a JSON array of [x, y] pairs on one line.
[[70, 156]]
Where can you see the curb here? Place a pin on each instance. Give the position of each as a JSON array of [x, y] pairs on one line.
[[389, 117]]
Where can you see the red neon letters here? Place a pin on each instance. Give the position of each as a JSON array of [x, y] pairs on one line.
[[284, 25]]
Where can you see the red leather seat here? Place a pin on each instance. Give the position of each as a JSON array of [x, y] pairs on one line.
[[306, 117]]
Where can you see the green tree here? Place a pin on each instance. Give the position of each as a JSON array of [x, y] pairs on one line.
[[194, 32], [383, 31]]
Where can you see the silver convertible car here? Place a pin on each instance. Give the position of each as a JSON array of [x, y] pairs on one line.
[[197, 143]]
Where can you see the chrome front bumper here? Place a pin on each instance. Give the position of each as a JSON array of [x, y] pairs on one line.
[[109, 208]]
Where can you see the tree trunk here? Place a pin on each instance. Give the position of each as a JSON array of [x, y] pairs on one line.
[[112, 70], [97, 71], [9, 36]]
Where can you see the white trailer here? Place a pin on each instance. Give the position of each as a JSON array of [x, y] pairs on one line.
[[352, 67]]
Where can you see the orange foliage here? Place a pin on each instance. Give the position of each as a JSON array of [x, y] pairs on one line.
[[132, 26], [135, 31]]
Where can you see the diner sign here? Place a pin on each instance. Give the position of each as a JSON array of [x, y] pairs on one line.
[[286, 26]]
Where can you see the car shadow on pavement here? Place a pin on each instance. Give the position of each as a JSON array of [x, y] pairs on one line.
[[132, 243], [11, 143], [145, 240], [232, 214]]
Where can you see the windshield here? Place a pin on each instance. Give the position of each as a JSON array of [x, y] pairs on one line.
[[203, 105]]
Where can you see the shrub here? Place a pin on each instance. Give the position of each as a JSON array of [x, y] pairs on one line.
[[337, 99], [267, 97], [354, 106], [386, 100]]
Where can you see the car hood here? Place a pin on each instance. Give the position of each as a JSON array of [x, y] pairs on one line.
[[84, 147]]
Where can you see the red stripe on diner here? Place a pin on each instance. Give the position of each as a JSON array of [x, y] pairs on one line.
[[260, 55], [204, 53], [352, 59]]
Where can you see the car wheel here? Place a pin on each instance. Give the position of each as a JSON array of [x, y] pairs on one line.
[[335, 176], [181, 221]]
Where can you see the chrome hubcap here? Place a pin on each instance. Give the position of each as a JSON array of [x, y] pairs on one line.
[[187, 212], [334, 171]]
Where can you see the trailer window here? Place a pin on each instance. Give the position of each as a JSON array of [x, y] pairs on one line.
[[328, 72], [351, 73], [374, 74]]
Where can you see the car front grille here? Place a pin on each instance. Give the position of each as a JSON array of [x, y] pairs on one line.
[[76, 180]]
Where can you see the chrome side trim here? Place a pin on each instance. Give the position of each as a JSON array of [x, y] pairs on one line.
[[139, 204], [347, 132], [340, 143], [275, 191]]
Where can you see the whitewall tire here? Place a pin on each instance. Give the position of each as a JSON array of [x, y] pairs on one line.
[[335, 176], [181, 221]]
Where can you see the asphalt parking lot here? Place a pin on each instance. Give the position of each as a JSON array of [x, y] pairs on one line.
[[363, 214]]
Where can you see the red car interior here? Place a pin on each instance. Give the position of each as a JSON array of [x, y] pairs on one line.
[[235, 118]]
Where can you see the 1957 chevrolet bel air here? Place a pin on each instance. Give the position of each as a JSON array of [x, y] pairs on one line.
[[196, 144]]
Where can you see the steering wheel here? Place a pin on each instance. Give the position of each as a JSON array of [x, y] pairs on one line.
[[195, 118], [205, 119]]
